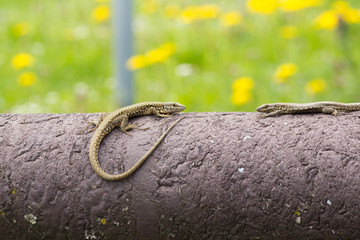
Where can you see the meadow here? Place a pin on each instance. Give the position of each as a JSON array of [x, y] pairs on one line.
[[57, 56]]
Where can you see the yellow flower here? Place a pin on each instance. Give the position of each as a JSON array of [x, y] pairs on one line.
[[189, 14], [340, 9], [315, 86], [349, 14], [153, 56], [242, 90], [22, 60], [284, 71], [21, 29], [240, 97], [327, 20], [295, 5], [288, 32], [156, 55], [340, 6], [262, 6], [160, 54], [171, 11], [27, 79], [243, 84], [192, 13], [101, 13], [103, 221], [208, 11], [231, 18], [136, 62]]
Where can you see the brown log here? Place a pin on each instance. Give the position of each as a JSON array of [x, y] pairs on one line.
[[215, 176]]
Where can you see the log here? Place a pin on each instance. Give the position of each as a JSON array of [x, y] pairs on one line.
[[215, 176]]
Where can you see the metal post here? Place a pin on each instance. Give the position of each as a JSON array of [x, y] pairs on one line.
[[123, 51]]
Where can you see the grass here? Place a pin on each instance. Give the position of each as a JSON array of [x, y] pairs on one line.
[[74, 59]]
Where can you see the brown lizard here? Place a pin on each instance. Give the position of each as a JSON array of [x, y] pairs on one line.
[[119, 118], [275, 109]]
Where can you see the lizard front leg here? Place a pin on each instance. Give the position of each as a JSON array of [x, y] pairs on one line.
[[101, 118], [334, 112], [330, 110]]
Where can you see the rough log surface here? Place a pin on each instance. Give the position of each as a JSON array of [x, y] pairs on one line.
[[215, 176]]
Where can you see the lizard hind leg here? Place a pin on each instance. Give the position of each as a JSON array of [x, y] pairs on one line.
[[92, 129], [136, 126], [130, 126]]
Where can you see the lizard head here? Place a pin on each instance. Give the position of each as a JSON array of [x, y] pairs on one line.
[[171, 107], [264, 108]]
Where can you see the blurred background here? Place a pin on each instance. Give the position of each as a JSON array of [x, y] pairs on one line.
[[229, 55]]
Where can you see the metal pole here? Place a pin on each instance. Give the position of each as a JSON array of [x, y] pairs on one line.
[[123, 51]]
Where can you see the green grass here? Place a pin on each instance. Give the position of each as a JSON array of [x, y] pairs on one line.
[[76, 75]]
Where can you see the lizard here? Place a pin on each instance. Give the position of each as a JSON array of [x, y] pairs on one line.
[[334, 108], [120, 118]]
